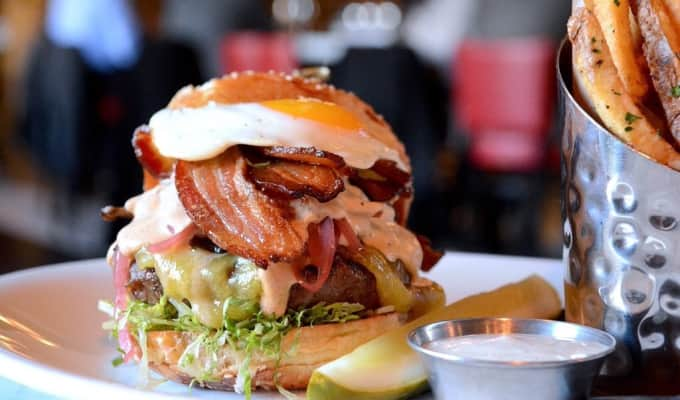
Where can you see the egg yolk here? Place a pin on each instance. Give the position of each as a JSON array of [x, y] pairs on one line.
[[318, 111]]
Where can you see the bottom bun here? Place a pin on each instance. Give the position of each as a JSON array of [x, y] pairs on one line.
[[302, 351]]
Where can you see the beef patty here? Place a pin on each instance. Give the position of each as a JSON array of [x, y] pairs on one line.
[[347, 282], [144, 284]]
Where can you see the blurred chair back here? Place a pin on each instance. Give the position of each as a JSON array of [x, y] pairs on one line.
[[257, 51], [503, 95], [411, 99]]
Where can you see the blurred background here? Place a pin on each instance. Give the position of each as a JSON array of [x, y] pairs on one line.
[[468, 85]]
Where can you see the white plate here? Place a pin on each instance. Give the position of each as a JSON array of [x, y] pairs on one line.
[[51, 338]]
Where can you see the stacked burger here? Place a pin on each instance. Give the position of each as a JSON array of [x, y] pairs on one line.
[[270, 237]]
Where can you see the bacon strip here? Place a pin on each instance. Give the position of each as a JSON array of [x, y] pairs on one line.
[[150, 181], [430, 255], [292, 180], [113, 213], [388, 169], [232, 212], [148, 155], [376, 190], [402, 205], [382, 181], [306, 155]]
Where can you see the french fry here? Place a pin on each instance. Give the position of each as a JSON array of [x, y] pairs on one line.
[[662, 46], [673, 7], [614, 19], [637, 45], [666, 22], [635, 32], [599, 85]]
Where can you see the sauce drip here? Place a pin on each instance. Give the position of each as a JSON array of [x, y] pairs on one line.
[[372, 221], [158, 215]]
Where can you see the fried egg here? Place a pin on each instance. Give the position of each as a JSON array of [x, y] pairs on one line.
[[194, 134]]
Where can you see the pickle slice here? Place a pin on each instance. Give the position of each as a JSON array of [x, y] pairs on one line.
[[386, 368]]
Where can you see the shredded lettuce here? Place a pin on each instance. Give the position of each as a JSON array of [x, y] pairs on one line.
[[245, 328], [117, 361], [287, 393]]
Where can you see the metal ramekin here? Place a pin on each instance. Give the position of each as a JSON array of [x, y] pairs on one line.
[[455, 378], [620, 213]]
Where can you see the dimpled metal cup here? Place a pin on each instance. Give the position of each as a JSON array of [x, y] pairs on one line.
[[620, 213], [453, 378]]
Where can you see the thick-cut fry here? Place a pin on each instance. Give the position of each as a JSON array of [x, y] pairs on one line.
[[661, 15], [637, 45], [614, 20], [673, 7], [662, 45], [599, 84], [637, 37]]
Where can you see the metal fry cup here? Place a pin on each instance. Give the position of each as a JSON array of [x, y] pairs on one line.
[[620, 213]]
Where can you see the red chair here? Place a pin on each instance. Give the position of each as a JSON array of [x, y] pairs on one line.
[[257, 51], [503, 96]]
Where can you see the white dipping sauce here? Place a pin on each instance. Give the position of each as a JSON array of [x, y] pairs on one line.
[[516, 347]]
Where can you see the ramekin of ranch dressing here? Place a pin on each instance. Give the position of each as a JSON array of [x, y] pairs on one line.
[[506, 358], [516, 347]]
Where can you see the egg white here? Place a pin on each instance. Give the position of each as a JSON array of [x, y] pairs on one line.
[[194, 134]]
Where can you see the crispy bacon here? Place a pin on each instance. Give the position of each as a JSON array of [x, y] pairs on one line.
[[430, 255], [388, 169], [292, 180], [112, 213], [402, 205], [375, 190], [150, 181], [232, 212], [306, 155], [148, 155], [382, 181]]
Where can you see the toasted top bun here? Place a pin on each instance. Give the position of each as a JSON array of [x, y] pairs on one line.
[[302, 351], [250, 87]]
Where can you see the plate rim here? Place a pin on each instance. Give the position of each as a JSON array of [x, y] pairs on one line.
[[55, 382], [52, 381]]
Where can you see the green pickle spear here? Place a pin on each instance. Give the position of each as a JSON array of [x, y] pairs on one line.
[[386, 368]]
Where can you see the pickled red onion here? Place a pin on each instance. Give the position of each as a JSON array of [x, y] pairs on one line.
[[127, 343], [321, 247], [121, 276], [344, 229], [174, 241]]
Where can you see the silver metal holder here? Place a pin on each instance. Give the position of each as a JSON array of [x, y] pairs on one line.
[[620, 213]]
